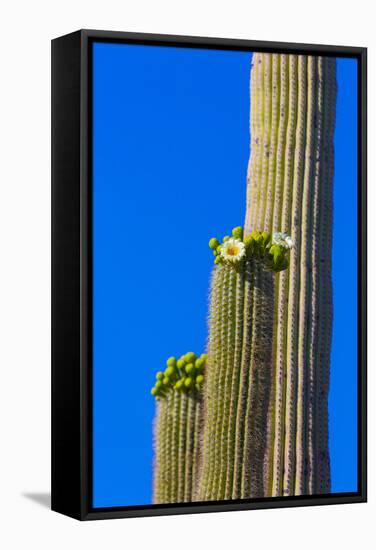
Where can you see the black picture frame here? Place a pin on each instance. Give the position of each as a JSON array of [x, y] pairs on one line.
[[72, 285]]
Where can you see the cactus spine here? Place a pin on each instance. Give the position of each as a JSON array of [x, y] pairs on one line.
[[290, 187], [238, 377], [177, 428]]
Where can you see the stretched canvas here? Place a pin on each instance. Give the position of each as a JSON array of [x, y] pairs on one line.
[[222, 306]]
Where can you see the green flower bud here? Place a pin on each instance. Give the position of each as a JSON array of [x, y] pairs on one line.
[[226, 238], [256, 235], [248, 242], [204, 356], [160, 375], [169, 371], [237, 232], [178, 385], [213, 243], [166, 381], [266, 236], [217, 260], [154, 391], [199, 379], [181, 362], [158, 384], [189, 368], [171, 361], [199, 364], [190, 357], [188, 382]]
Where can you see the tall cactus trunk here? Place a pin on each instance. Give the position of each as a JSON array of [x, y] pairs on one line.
[[290, 188]]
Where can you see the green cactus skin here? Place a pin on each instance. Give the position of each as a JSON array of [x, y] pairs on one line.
[[238, 374], [238, 378], [289, 186], [177, 430]]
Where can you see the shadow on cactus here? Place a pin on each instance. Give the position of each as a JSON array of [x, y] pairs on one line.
[[239, 371], [178, 391]]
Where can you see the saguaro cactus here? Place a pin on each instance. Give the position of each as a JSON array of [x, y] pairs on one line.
[[290, 187], [177, 428], [238, 377]]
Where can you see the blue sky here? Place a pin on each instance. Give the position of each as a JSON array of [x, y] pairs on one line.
[[171, 146]]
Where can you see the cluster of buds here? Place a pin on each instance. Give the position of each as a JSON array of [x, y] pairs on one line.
[[270, 248], [185, 374]]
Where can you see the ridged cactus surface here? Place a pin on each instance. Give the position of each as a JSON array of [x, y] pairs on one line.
[[290, 187], [238, 376], [177, 428]]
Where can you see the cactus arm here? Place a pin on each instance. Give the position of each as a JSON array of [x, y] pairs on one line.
[[234, 449], [176, 428]]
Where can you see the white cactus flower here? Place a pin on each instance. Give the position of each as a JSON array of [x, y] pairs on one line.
[[283, 239], [233, 250]]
